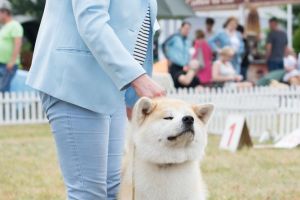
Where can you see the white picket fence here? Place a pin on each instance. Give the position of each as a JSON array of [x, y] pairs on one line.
[[266, 109], [21, 108]]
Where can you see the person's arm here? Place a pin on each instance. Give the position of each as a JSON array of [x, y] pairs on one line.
[[213, 42], [217, 77], [187, 78], [269, 46], [268, 50], [242, 48], [92, 19], [15, 54], [167, 45], [196, 48]]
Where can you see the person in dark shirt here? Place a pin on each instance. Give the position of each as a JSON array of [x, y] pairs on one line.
[[276, 46], [209, 27], [245, 58]]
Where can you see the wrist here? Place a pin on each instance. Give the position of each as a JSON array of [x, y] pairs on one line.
[[135, 82]]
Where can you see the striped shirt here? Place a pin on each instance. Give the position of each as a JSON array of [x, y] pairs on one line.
[[141, 46]]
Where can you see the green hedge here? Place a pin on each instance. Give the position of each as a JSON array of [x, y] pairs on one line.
[[296, 40]]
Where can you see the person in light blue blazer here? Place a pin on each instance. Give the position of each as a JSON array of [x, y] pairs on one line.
[[232, 38], [86, 65]]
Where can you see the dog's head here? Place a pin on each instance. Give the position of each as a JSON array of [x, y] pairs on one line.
[[169, 131]]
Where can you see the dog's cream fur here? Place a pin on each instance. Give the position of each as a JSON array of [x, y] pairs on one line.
[[157, 166]]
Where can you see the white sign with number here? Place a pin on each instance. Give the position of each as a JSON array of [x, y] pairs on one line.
[[236, 133]]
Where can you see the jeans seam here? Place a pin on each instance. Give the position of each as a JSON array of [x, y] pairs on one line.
[[75, 154], [47, 102]]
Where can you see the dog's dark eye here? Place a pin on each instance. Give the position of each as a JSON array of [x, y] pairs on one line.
[[169, 118]]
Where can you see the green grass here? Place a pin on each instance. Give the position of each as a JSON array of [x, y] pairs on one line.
[[29, 169]]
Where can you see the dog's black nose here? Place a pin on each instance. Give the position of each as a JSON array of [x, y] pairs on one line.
[[188, 120]]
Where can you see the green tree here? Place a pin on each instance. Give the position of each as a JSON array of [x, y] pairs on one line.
[[296, 14], [29, 7], [296, 26], [296, 40]]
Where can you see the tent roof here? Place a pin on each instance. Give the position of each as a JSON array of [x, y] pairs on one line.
[[208, 5], [264, 13], [174, 9]]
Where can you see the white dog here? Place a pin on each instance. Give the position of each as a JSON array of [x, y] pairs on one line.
[[167, 142]]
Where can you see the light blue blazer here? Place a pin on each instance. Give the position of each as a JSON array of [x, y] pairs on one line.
[[83, 54]]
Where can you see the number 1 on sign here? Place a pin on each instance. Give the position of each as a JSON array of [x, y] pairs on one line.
[[232, 129]]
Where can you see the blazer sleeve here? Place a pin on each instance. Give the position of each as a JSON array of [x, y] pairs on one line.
[[92, 19]]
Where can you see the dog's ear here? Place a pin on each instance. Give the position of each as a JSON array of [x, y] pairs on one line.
[[204, 112], [143, 108]]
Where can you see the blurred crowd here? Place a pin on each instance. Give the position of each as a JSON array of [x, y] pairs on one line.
[[222, 58], [214, 58]]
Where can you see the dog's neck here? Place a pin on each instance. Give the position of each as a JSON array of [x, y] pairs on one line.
[[167, 165], [170, 165], [153, 180]]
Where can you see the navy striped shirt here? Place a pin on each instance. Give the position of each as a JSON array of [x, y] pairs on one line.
[[141, 46]]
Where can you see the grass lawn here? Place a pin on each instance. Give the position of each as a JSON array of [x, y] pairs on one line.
[[29, 169]]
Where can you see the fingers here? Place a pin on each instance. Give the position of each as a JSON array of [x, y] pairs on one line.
[[160, 92], [146, 87], [156, 94]]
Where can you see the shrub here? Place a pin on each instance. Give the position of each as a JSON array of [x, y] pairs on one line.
[[296, 40]]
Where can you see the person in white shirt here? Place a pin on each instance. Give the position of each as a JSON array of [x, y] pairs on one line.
[[292, 75], [224, 73]]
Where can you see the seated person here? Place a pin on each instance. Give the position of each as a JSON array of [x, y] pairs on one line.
[[223, 72], [292, 73], [185, 77], [275, 75]]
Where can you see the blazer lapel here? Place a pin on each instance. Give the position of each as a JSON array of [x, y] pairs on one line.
[[141, 13]]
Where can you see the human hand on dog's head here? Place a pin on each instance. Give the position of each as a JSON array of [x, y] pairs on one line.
[[146, 87]]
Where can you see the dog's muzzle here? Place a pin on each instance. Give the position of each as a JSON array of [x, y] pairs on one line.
[[188, 128], [184, 132]]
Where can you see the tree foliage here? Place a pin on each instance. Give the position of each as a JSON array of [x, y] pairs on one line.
[[296, 26], [296, 40], [29, 7], [296, 15]]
